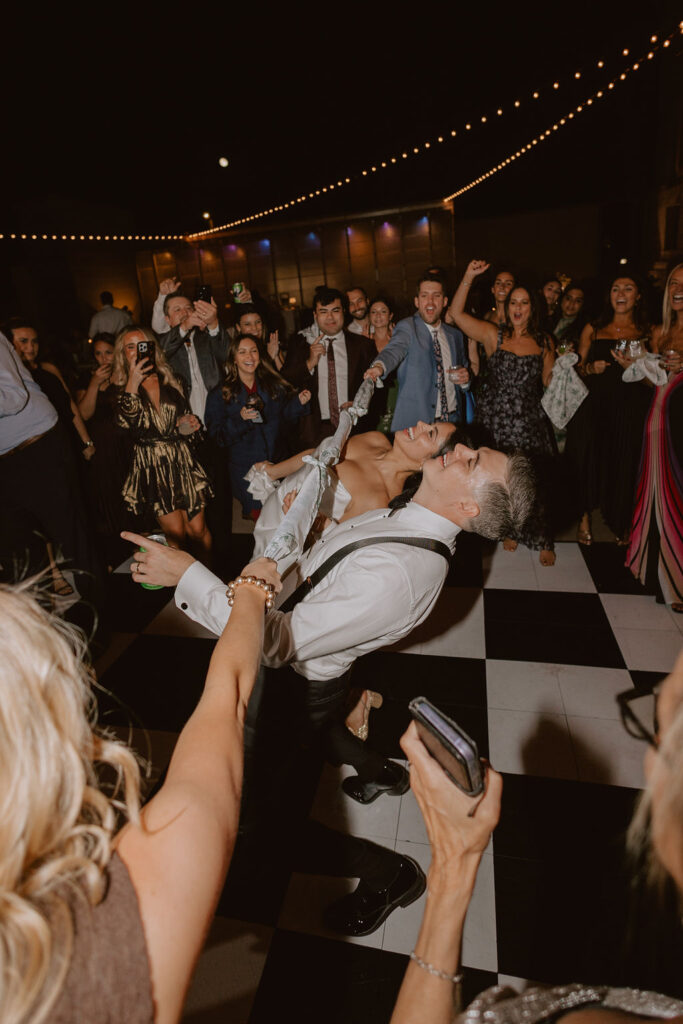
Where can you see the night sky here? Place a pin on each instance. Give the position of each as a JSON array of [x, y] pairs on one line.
[[120, 128]]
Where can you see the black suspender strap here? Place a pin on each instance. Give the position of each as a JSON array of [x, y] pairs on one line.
[[312, 581]]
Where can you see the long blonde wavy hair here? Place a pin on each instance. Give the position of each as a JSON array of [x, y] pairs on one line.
[[120, 368], [56, 824], [668, 315]]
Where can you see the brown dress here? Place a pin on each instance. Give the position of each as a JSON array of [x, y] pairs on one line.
[[164, 474], [108, 981]]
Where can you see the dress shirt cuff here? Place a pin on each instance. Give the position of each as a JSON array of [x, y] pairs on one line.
[[215, 330], [201, 595]]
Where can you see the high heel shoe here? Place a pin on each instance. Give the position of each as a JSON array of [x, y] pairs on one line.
[[368, 700]]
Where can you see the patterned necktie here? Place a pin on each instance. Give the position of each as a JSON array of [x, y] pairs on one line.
[[332, 385], [440, 375]]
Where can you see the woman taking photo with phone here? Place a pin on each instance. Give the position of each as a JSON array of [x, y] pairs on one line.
[[164, 477]]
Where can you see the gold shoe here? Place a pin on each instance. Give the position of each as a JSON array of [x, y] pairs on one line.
[[368, 700]]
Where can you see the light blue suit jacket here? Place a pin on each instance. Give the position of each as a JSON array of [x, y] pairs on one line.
[[411, 349]]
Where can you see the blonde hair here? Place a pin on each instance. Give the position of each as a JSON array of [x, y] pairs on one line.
[[56, 824], [668, 317], [670, 805], [121, 368]]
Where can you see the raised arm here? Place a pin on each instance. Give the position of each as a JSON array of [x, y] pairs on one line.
[[459, 828], [178, 859], [479, 330]]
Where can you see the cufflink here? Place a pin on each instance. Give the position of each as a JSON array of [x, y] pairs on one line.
[[183, 605]]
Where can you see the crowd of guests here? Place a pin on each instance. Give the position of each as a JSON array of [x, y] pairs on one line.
[[164, 429]]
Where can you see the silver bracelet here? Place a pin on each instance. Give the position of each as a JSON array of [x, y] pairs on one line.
[[455, 979]]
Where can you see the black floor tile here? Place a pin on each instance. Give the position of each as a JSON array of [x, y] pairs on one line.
[[388, 724], [566, 629], [551, 819], [606, 565], [129, 607], [314, 979], [646, 681], [156, 682]]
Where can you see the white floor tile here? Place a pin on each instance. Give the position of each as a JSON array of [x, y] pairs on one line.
[[635, 611], [228, 972], [479, 937], [304, 903], [606, 753], [509, 570], [650, 650], [523, 686], [454, 629], [335, 809], [569, 574], [531, 743], [676, 618], [519, 984], [591, 692], [171, 621], [411, 826]]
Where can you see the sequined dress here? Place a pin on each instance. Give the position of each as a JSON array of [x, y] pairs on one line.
[[164, 475], [510, 412]]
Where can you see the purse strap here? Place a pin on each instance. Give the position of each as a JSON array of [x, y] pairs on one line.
[[428, 543]]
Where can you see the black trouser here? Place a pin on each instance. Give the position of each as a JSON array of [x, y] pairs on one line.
[[42, 480], [291, 725]]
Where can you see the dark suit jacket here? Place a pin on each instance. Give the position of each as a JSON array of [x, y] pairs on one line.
[[360, 353], [211, 354]]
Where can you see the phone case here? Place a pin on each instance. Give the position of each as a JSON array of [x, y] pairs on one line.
[[463, 762]]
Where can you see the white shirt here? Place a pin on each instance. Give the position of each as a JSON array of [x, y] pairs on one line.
[[356, 328], [25, 410], [198, 391], [373, 597], [341, 366]]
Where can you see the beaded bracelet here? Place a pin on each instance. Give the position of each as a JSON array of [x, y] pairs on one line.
[[267, 588], [455, 979]]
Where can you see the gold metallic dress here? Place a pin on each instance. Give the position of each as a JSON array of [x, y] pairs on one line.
[[164, 475]]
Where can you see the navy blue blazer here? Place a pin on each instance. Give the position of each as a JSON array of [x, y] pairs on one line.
[[411, 349]]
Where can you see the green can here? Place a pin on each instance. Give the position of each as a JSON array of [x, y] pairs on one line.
[[160, 539]]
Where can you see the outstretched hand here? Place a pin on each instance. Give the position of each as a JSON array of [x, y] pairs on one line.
[[457, 825]]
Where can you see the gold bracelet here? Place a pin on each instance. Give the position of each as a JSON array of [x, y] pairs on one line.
[[267, 588]]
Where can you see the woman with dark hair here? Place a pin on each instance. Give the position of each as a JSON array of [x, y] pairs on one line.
[[248, 321], [381, 315], [246, 413], [164, 478], [604, 438], [550, 295], [655, 554], [520, 358], [571, 319]]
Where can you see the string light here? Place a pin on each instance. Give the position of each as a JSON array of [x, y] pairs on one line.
[[416, 150], [543, 136]]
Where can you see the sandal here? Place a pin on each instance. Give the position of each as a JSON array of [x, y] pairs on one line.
[[60, 586], [547, 557], [583, 533], [509, 544], [368, 700]]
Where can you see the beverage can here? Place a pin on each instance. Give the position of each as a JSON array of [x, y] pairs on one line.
[[160, 539], [237, 289]]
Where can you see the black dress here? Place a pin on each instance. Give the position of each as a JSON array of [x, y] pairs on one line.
[[511, 418], [605, 437], [108, 468]]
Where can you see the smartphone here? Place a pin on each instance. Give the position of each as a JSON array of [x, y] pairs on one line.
[[448, 744], [204, 293], [146, 351]]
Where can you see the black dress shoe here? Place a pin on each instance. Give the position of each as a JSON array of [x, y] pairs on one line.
[[364, 910], [394, 780]]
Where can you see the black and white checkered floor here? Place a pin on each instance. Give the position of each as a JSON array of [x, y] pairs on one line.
[[528, 660]]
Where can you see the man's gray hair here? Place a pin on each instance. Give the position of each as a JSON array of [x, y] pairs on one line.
[[505, 508]]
